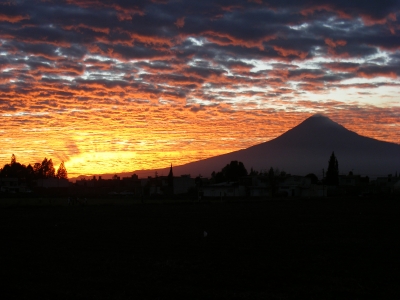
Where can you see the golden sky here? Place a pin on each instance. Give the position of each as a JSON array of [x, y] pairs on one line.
[[110, 88]]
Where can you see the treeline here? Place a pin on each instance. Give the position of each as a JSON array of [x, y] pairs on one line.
[[236, 169], [42, 170], [231, 172]]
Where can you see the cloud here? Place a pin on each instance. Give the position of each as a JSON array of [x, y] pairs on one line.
[[342, 66], [80, 77], [373, 71], [13, 18], [180, 22], [334, 44]]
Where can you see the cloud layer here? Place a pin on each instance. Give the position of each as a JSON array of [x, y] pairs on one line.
[[111, 87]]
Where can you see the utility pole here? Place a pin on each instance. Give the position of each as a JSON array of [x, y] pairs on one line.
[[323, 183]]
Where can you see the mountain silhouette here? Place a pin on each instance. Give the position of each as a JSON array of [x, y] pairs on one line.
[[305, 149]]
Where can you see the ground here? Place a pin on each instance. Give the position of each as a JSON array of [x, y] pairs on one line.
[[284, 249]]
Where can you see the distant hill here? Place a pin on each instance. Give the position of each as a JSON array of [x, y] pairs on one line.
[[304, 149]]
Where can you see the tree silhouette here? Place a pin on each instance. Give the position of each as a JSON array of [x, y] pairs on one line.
[[47, 169], [271, 173], [231, 172], [62, 172], [14, 169], [332, 175], [30, 175], [27, 174], [313, 177], [37, 170], [13, 159], [273, 180], [198, 181], [253, 172]]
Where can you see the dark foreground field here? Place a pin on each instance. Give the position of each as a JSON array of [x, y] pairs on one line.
[[273, 250]]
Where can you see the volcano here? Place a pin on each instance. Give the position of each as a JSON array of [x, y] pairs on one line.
[[305, 149]]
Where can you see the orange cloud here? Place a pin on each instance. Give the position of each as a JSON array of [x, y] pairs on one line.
[[370, 21], [342, 67], [334, 44], [287, 52], [95, 29], [152, 40], [180, 22], [373, 74], [240, 67], [324, 7], [13, 19], [313, 9], [124, 17], [225, 39]]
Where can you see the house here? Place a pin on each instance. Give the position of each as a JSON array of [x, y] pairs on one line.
[[13, 185], [396, 187], [52, 183], [168, 185], [258, 186], [9, 185], [183, 184], [353, 180], [385, 185], [224, 189], [295, 186], [132, 185], [259, 191], [315, 190], [353, 184]]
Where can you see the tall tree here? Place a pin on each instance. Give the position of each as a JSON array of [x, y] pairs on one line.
[[234, 170], [332, 174], [273, 180], [37, 170], [13, 159], [30, 174], [231, 172], [14, 169], [47, 169], [62, 172]]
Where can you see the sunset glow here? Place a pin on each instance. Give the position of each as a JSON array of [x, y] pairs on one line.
[[110, 87]]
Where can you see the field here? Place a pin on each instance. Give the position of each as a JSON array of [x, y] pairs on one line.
[[325, 249]]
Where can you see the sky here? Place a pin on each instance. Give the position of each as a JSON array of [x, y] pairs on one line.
[[118, 86]]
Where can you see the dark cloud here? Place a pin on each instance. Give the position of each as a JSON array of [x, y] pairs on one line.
[[371, 71], [211, 51], [342, 66]]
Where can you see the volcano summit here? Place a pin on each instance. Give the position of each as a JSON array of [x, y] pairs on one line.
[[305, 149]]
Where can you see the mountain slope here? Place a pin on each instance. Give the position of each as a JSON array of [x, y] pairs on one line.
[[305, 149]]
